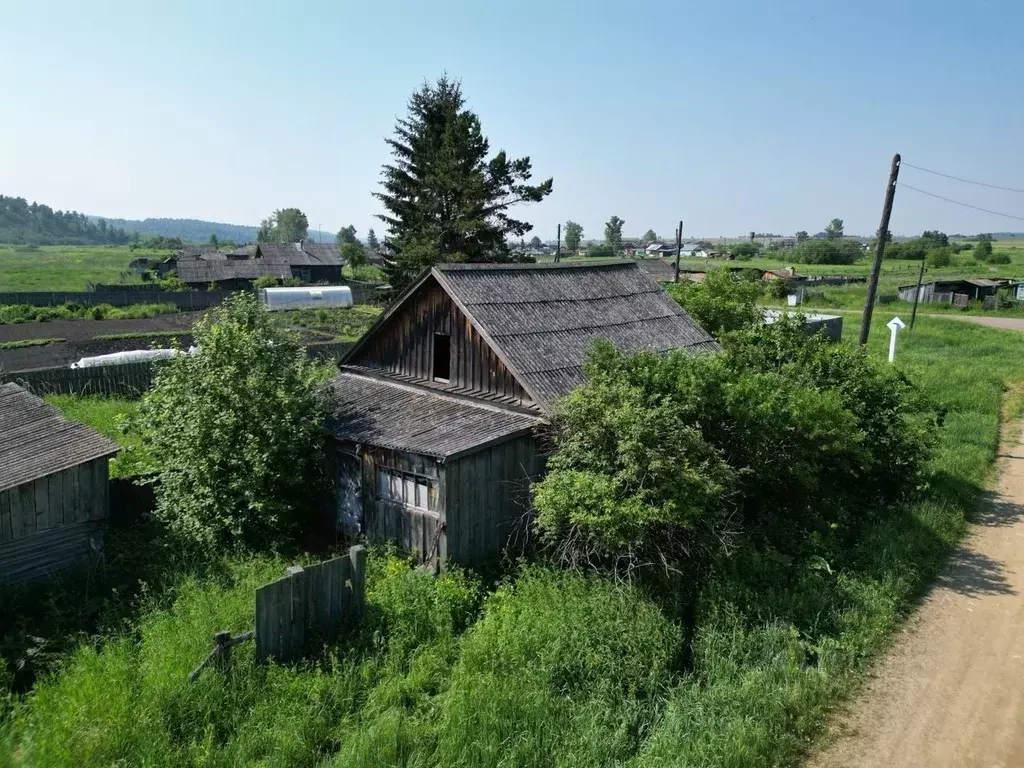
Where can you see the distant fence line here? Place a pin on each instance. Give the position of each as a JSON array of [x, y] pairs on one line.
[[127, 379], [184, 300], [310, 604]]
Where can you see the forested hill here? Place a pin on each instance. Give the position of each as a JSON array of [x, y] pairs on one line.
[[199, 231], [22, 222]]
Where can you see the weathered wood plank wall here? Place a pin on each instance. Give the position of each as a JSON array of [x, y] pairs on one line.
[[53, 521], [488, 499], [311, 604], [405, 346]]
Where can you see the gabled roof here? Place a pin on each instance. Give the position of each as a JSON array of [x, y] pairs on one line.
[[301, 254], [206, 271], [38, 441], [407, 418], [540, 319]]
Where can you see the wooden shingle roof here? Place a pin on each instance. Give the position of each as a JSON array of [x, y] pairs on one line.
[[542, 319], [408, 418], [304, 254], [36, 440], [204, 271]]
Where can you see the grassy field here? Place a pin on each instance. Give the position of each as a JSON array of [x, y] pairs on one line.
[[67, 267], [103, 414], [336, 324], [14, 314], [543, 669]]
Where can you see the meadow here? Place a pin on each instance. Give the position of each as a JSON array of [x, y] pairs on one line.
[[67, 267], [536, 669]]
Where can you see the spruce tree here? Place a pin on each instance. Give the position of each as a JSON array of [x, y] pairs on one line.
[[445, 200]]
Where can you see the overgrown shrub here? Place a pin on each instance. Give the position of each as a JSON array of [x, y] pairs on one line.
[[233, 432], [720, 303]]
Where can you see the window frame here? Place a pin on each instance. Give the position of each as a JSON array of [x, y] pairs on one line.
[[396, 486]]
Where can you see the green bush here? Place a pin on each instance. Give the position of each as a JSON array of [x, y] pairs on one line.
[[827, 251], [265, 281], [720, 303], [234, 433], [999, 258]]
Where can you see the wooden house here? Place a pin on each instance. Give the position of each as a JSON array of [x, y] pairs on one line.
[[436, 410], [54, 488], [237, 269], [944, 291]]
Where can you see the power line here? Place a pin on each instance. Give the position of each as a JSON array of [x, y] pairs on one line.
[[965, 181], [957, 202]]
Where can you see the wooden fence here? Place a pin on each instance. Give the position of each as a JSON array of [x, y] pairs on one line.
[[127, 379], [310, 604], [184, 300]]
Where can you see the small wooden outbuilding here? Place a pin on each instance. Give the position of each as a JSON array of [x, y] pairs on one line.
[[54, 487], [437, 409]]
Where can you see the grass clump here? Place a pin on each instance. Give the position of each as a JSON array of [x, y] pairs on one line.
[[343, 324], [139, 335], [15, 314], [21, 344]]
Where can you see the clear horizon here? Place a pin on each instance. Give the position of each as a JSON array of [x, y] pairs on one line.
[[732, 118]]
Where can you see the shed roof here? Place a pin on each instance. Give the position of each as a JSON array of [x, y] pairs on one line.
[[301, 254], [205, 271], [38, 441], [542, 318], [407, 418]]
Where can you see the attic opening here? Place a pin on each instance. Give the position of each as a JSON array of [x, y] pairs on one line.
[[442, 357]]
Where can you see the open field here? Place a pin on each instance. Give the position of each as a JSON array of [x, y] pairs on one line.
[[67, 267], [547, 669]]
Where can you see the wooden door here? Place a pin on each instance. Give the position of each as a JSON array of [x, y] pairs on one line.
[[350, 496]]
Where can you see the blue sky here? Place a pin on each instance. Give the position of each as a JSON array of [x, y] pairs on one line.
[[772, 116]]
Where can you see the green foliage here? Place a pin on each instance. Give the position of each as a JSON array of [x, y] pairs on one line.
[[600, 251], [445, 200], [999, 258], [983, 250], [265, 281], [344, 324], [37, 224], [834, 230], [285, 225], [573, 235], [660, 458], [110, 416], [613, 234], [371, 240], [720, 303], [650, 236], [171, 282], [234, 432], [939, 257], [778, 288], [354, 254], [14, 314], [827, 251], [801, 236], [22, 343], [745, 251]]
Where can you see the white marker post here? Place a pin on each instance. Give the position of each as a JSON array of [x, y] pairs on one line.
[[895, 326]]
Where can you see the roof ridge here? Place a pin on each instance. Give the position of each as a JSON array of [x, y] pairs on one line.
[[564, 301], [584, 327], [497, 267]]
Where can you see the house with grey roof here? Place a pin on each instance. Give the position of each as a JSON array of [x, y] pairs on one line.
[[54, 488], [237, 268], [436, 411]]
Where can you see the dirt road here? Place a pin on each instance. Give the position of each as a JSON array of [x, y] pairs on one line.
[[951, 690], [1009, 323]]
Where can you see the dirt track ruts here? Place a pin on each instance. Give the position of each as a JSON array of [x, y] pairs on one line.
[[951, 690]]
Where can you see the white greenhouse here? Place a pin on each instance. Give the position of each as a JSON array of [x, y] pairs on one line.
[[130, 356], [311, 297]]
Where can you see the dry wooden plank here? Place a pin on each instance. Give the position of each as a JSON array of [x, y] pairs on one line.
[[40, 493], [357, 557], [55, 495], [75, 495], [6, 528], [24, 524]]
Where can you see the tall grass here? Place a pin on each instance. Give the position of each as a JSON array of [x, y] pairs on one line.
[[548, 669], [14, 314], [67, 267], [106, 415]]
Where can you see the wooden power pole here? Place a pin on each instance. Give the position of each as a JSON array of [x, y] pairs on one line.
[[917, 295], [679, 247], [558, 245], [883, 233]]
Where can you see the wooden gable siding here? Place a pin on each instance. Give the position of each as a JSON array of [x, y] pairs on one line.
[[404, 345]]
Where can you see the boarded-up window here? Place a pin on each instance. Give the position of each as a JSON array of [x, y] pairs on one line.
[[442, 357], [406, 488]]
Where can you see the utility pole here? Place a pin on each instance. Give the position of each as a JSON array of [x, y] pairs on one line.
[[679, 247], [883, 232], [558, 244], [917, 295]]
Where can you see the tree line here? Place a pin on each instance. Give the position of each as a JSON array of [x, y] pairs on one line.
[[24, 223]]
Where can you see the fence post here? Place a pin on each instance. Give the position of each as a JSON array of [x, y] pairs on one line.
[[296, 612], [357, 555], [222, 644]]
